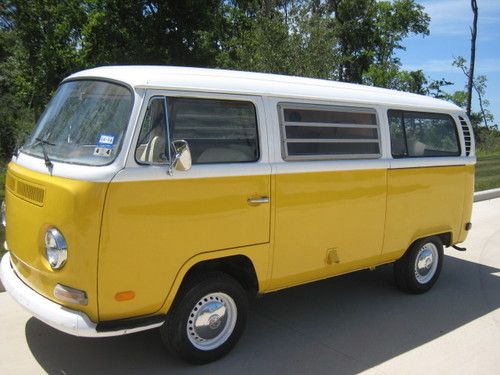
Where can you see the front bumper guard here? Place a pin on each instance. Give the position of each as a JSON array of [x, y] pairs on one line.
[[73, 322]]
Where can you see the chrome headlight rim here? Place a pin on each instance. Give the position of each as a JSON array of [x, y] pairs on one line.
[[56, 248]]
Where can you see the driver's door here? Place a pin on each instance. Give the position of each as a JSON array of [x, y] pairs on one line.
[[154, 222]]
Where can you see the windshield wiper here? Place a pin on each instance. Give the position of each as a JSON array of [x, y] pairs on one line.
[[43, 142]]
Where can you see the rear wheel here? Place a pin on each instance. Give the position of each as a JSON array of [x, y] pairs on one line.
[[207, 319], [418, 270]]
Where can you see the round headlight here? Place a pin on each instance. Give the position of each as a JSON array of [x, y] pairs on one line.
[[56, 248], [3, 214]]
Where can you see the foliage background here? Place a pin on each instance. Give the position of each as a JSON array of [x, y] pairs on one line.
[[43, 41]]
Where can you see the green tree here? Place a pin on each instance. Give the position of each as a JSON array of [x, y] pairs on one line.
[[393, 78], [256, 37], [43, 41], [15, 117], [348, 40], [49, 32], [478, 84], [152, 32], [369, 32]]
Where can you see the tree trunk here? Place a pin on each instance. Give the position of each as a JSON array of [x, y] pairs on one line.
[[470, 82], [334, 5], [481, 107]]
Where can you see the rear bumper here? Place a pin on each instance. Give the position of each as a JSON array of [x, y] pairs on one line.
[[61, 318]]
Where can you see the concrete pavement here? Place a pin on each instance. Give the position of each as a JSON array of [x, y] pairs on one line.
[[358, 323]]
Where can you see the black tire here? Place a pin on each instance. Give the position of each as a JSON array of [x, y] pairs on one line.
[[406, 273], [211, 290]]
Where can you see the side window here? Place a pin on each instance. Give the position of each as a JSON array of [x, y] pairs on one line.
[[327, 132], [218, 131], [415, 134], [152, 143], [398, 136]]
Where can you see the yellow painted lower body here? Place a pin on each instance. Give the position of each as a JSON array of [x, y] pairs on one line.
[[73, 207], [369, 217], [320, 213], [427, 201], [152, 229], [152, 232]]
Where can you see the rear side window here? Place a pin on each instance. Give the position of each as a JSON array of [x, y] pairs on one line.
[[217, 131], [314, 132], [417, 134]]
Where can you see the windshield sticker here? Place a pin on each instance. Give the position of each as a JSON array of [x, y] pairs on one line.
[[103, 151], [105, 140]]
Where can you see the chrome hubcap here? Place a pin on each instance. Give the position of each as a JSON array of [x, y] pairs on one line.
[[426, 263], [211, 321]]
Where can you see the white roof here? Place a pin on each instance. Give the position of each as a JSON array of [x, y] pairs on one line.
[[228, 81]]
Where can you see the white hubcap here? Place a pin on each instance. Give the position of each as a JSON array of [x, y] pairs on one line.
[[211, 321], [426, 263]]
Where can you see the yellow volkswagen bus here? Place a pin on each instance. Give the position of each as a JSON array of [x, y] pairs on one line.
[[167, 197]]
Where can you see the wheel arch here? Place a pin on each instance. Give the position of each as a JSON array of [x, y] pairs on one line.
[[249, 272], [239, 267], [445, 235]]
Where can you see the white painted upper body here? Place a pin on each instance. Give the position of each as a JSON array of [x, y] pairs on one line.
[[266, 92], [262, 84]]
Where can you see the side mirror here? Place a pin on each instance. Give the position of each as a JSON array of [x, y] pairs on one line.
[[181, 158]]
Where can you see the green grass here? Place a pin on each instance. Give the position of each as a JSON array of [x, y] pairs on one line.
[[487, 172]]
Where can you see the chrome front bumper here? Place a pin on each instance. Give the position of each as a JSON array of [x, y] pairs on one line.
[[61, 318]]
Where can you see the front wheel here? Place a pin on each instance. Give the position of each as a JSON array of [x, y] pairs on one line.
[[207, 319], [418, 270]]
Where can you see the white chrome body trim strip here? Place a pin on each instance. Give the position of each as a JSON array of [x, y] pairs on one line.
[[74, 322], [156, 173], [66, 170], [432, 162], [326, 166], [160, 172]]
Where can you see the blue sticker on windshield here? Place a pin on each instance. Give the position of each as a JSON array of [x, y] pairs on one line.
[[105, 140]]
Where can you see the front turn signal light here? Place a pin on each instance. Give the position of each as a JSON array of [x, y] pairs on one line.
[[71, 295]]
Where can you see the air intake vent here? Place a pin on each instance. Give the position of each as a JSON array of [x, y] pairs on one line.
[[26, 190], [467, 135]]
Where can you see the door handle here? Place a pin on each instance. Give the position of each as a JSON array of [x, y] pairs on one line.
[[258, 200]]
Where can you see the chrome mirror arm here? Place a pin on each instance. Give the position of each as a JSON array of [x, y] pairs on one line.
[[181, 160]]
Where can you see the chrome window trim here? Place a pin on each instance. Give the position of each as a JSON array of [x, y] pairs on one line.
[[167, 131], [454, 121], [257, 128], [79, 172], [330, 140], [282, 106], [134, 171], [329, 157], [327, 125], [120, 147]]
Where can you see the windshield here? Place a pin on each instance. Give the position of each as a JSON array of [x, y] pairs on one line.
[[84, 123]]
